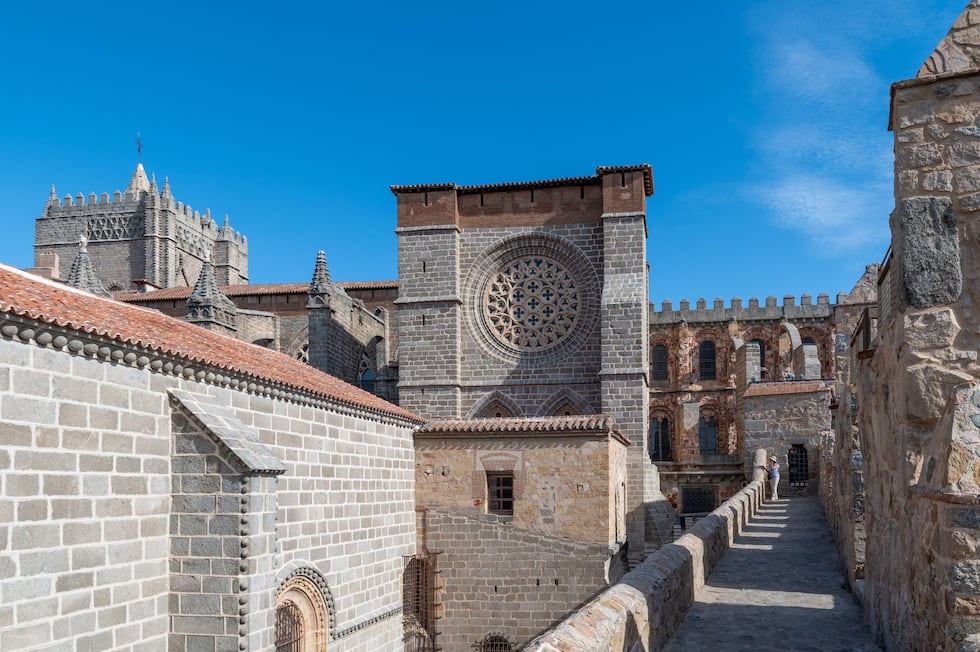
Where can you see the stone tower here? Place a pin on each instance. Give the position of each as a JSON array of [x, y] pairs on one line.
[[142, 236], [530, 299]]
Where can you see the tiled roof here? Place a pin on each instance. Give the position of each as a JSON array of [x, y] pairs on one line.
[[562, 424], [527, 185], [369, 285], [181, 293], [785, 387], [45, 301]]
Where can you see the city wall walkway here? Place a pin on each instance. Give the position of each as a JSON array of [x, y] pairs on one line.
[[779, 587]]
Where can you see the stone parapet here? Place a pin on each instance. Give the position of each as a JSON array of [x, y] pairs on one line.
[[645, 608]]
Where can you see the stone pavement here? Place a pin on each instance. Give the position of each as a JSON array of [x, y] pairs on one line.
[[780, 587]]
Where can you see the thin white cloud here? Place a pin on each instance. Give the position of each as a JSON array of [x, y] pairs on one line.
[[839, 217]]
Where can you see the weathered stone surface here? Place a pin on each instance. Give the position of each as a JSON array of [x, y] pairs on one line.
[[931, 330], [930, 251]]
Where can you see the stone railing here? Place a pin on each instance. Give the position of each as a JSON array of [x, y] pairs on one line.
[[644, 609]]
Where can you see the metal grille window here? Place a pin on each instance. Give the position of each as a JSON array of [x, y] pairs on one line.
[[660, 439], [799, 467], [708, 435], [500, 492], [706, 361], [698, 500], [660, 371], [289, 628], [418, 604], [495, 643]]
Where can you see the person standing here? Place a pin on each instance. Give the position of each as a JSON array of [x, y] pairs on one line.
[[774, 476]]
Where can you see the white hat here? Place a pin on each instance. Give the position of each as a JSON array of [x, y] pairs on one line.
[[773, 458]]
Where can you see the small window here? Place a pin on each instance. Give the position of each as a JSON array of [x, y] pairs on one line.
[[500, 493], [699, 500], [706, 361], [799, 466], [762, 352], [495, 643], [708, 435], [566, 410], [660, 370], [365, 375], [660, 439]]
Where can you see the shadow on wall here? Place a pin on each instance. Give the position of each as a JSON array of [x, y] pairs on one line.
[[646, 607]]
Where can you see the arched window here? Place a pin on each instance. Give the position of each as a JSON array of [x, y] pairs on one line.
[[565, 410], [495, 643], [762, 353], [303, 353], [301, 615], [418, 604], [365, 375], [660, 439], [706, 361], [495, 410], [708, 434], [660, 369]]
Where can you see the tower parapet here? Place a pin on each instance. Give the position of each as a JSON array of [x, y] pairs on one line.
[[142, 233], [769, 310]]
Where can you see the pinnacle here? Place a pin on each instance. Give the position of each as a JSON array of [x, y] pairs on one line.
[[321, 274], [82, 274], [139, 183]]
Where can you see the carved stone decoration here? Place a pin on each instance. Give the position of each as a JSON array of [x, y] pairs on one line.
[[531, 304], [532, 299]]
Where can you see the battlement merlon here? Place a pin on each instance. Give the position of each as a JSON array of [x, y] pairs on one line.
[[789, 309], [137, 196], [614, 190]]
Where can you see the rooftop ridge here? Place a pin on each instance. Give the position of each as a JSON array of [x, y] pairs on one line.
[[645, 168], [244, 289], [591, 422], [111, 330]]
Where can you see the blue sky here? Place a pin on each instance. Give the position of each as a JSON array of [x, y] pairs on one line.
[[764, 121]]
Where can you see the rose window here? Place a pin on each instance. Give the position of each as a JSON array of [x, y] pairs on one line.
[[531, 304]]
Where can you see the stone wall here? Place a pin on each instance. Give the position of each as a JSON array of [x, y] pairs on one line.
[[497, 578], [916, 404], [643, 610], [787, 415], [140, 498]]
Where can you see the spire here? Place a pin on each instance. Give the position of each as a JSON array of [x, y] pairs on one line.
[[321, 274], [82, 274], [207, 305], [139, 183], [153, 183], [52, 198], [321, 285]]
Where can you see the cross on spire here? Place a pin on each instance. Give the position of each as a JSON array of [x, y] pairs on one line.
[[139, 148]]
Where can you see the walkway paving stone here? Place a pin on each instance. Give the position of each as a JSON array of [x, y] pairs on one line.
[[780, 587]]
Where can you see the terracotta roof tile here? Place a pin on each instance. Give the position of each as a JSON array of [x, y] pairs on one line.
[[181, 293], [39, 299], [527, 185], [520, 424]]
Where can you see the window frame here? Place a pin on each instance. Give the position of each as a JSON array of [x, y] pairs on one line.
[[497, 498]]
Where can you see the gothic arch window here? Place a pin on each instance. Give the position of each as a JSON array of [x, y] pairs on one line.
[[661, 371], [301, 615], [660, 450], [707, 369], [365, 375], [495, 405], [303, 353], [708, 433], [497, 410], [566, 409]]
